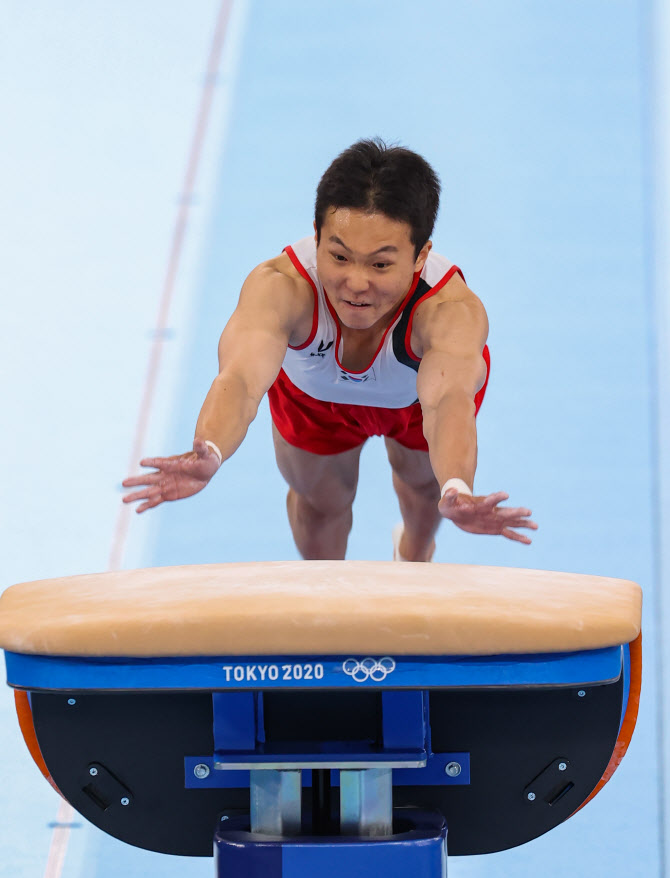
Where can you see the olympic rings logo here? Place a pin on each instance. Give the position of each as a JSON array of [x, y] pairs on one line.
[[369, 669]]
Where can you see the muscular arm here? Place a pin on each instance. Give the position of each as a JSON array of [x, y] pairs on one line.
[[251, 351], [274, 307], [452, 334], [451, 372]]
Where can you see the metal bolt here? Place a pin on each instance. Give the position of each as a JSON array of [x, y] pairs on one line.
[[201, 771], [581, 693], [71, 701], [125, 801], [93, 771], [562, 766], [453, 769], [531, 797]]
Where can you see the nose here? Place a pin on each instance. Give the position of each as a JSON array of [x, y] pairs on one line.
[[357, 280]]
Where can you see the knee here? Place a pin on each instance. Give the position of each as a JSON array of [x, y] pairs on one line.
[[314, 509], [412, 471], [424, 486]]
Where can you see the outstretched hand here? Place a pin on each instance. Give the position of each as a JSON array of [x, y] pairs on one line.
[[176, 477], [482, 515]]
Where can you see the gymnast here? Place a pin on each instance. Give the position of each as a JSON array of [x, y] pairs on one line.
[[361, 330]]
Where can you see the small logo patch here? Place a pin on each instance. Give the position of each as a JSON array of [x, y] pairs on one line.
[[321, 350]]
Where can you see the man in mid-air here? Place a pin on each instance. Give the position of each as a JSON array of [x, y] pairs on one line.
[[361, 330]]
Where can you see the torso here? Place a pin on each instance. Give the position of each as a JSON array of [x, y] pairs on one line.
[[377, 367]]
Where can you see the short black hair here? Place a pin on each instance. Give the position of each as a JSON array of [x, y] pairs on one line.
[[374, 177]]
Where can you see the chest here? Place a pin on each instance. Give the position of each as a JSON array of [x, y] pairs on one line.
[[357, 350]]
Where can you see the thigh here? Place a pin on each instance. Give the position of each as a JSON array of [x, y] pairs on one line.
[[327, 481], [412, 466]]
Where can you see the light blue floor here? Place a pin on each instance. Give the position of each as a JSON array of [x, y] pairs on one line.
[[536, 118]]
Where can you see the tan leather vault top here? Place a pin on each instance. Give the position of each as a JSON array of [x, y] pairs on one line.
[[319, 608]]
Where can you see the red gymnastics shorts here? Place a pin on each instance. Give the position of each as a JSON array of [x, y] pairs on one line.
[[332, 427]]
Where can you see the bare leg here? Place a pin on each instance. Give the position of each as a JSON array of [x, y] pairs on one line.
[[418, 496], [322, 488]]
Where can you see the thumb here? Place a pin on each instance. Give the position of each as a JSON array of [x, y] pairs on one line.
[[449, 496], [201, 448], [207, 450]]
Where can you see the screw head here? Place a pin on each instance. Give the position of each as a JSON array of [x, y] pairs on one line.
[[71, 701], [581, 693], [453, 769], [125, 800], [201, 771], [93, 771], [562, 766], [531, 797]]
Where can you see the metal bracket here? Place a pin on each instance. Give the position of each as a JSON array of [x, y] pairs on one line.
[[276, 798], [366, 802]]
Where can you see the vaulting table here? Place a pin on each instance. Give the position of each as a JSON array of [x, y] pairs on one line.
[[326, 718]]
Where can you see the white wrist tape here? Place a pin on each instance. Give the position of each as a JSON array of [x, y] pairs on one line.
[[215, 448], [459, 484]]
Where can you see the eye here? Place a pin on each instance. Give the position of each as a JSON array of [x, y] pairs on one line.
[[338, 257], [382, 265]]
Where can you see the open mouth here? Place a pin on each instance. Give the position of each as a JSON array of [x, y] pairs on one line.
[[357, 304]]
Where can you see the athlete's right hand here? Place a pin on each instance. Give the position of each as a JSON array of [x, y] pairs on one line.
[[176, 477]]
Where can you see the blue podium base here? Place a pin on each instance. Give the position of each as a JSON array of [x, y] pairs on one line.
[[418, 849]]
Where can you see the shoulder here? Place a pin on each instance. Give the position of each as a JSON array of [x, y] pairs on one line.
[[277, 284], [453, 318], [275, 294], [279, 273]]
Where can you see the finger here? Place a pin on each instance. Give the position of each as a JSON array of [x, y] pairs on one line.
[[502, 513], [168, 463], [150, 502], [493, 499], [520, 522], [146, 479], [146, 494], [513, 535], [156, 462], [136, 495], [133, 481], [519, 512]]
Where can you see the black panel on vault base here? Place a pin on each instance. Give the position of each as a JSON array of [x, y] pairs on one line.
[[516, 740]]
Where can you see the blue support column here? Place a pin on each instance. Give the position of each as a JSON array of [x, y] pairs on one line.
[[405, 719], [419, 850], [235, 721]]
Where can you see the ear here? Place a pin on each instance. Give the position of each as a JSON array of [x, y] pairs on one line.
[[316, 234], [423, 255]]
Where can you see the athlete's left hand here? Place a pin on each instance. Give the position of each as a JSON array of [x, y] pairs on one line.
[[482, 515]]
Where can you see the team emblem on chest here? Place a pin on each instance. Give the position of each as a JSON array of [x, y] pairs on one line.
[[358, 379]]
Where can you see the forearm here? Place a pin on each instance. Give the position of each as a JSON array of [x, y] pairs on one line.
[[451, 434], [226, 413]]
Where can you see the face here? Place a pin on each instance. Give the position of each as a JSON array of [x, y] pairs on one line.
[[366, 263]]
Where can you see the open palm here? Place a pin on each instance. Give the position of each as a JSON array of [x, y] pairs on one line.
[[482, 515], [176, 477]]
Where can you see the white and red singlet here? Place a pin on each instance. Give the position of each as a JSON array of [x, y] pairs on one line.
[[320, 406]]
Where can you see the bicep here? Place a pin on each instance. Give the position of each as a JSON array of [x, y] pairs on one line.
[[253, 344], [453, 362], [442, 374]]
